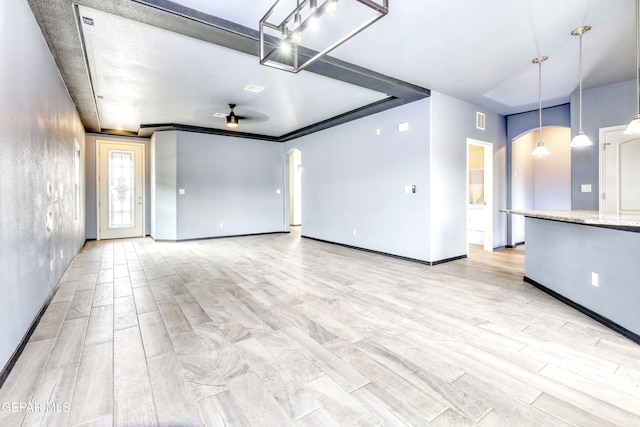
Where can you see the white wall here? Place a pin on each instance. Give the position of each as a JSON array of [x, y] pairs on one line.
[[354, 179], [38, 129]]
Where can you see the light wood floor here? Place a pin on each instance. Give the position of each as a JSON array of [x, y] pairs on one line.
[[275, 330]]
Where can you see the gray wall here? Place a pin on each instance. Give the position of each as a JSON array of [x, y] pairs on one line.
[[38, 126], [354, 179], [452, 122], [233, 182], [90, 160], [562, 256], [163, 185], [601, 107]]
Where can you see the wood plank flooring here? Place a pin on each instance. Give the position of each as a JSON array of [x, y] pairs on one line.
[[275, 330]]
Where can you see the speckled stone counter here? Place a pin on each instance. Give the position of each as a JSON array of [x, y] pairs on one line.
[[611, 219], [589, 260]]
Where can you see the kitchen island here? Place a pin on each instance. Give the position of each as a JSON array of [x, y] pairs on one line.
[[589, 260]]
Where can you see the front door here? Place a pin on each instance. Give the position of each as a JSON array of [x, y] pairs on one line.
[[620, 171], [121, 190]]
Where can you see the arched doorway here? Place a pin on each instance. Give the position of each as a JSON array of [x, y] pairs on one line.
[[540, 183]]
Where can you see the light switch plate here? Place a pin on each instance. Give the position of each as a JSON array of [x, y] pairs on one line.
[[585, 188], [181, 191]]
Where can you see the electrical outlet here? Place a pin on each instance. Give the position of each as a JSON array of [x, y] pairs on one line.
[[354, 232], [61, 253], [595, 279], [50, 265], [221, 224]]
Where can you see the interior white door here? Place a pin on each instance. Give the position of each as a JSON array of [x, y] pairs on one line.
[[620, 171], [488, 191], [121, 190]]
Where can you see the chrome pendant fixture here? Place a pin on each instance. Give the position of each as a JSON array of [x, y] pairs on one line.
[[633, 128], [540, 150], [581, 139], [281, 31]]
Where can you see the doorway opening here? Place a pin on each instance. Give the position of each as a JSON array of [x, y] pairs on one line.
[[120, 188], [619, 172], [293, 201], [539, 183], [480, 194]]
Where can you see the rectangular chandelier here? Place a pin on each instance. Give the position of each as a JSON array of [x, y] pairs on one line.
[[293, 39]]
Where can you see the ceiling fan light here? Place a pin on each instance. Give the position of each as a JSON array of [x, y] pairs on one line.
[[540, 150], [232, 120], [580, 140], [633, 128]]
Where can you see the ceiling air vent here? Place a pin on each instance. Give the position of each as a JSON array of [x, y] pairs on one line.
[[480, 121]]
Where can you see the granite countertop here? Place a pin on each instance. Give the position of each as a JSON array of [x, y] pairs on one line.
[[612, 219]]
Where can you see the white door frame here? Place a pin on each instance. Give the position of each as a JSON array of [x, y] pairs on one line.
[[602, 161], [144, 199], [488, 191], [287, 188]]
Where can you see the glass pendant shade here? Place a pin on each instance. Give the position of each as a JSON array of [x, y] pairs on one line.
[[633, 128], [540, 150], [580, 140]]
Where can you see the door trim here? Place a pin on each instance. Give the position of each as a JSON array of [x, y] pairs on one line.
[[602, 181], [144, 174], [488, 192]]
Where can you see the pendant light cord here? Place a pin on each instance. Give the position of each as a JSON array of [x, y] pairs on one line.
[[580, 77], [638, 56], [540, 101]]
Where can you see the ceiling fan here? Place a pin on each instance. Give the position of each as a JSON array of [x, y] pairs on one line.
[[232, 119]]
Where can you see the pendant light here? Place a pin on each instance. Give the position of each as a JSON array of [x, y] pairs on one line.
[[540, 149], [581, 139], [633, 128]]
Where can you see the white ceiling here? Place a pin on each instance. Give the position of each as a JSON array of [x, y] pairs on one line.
[[145, 75], [476, 51], [481, 51]]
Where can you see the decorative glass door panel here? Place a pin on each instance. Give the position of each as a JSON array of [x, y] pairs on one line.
[[121, 190]]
